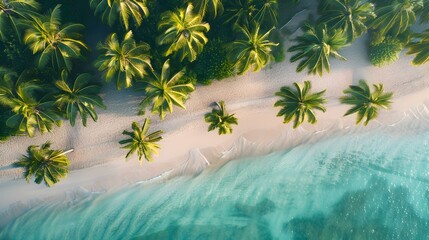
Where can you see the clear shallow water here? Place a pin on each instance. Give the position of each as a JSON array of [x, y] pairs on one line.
[[361, 186]]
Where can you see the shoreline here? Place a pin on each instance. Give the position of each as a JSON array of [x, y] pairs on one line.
[[98, 164]]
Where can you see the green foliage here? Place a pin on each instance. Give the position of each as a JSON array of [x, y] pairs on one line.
[[424, 12], [213, 63], [123, 62], [145, 144], [13, 11], [32, 107], [212, 8], [315, 47], [350, 16], [244, 12], [420, 47], [163, 91], [385, 52], [56, 43], [184, 32], [251, 49], [111, 10], [366, 103], [394, 17], [219, 118], [45, 164], [299, 103], [13, 55], [5, 131], [79, 97], [278, 51]]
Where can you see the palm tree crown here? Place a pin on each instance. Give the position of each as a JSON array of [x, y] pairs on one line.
[[239, 12], [54, 42], [162, 92], [211, 7], [349, 15], [267, 12], [79, 97], [244, 12], [111, 10], [299, 103], [315, 47], [420, 48], [124, 61], [219, 118], [47, 165], [252, 49], [366, 103], [184, 31], [12, 11], [145, 144], [394, 17], [31, 112]]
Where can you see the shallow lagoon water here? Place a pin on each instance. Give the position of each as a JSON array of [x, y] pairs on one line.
[[368, 185]]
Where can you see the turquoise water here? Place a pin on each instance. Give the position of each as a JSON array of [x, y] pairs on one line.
[[358, 186]]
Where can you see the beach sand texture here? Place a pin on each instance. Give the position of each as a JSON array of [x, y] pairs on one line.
[[98, 163]]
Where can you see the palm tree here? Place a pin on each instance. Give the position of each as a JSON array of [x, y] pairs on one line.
[[267, 13], [315, 47], [349, 15], [211, 7], [31, 112], [420, 48], [219, 118], [124, 61], [366, 103], [145, 144], [162, 92], [394, 17], [12, 11], [45, 164], [239, 12], [111, 10], [56, 43], [184, 32], [80, 97], [251, 49], [424, 12], [299, 103]]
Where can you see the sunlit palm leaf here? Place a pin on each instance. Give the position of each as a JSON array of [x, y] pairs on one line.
[[141, 142], [45, 164], [80, 97], [12, 11], [123, 62], [184, 32], [252, 49], [420, 47], [315, 47], [349, 15], [366, 103], [125, 10], [32, 112], [56, 43], [298, 104], [220, 119], [394, 17], [213, 8], [163, 91]]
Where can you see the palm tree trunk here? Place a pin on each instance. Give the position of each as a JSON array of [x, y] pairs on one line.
[[68, 151]]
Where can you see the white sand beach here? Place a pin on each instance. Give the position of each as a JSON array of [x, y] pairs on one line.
[[98, 163]]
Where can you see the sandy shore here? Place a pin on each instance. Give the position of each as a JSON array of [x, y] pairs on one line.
[[98, 163]]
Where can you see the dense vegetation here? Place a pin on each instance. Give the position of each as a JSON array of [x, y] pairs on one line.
[[163, 48]]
